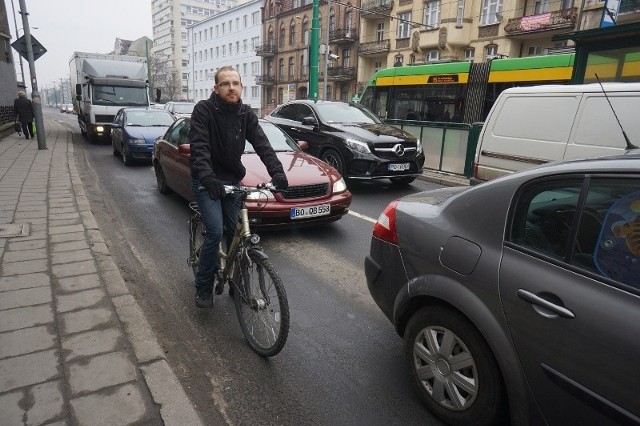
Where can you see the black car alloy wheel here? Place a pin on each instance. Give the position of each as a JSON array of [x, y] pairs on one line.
[[453, 368], [334, 159]]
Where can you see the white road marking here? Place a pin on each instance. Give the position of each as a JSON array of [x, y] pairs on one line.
[[361, 216]]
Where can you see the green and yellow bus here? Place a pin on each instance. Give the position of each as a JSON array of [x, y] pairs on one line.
[[461, 92]]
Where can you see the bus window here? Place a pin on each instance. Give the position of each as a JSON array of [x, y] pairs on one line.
[[380, 102]]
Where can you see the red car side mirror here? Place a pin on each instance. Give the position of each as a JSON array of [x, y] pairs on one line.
[[185, 148], [303, 145]]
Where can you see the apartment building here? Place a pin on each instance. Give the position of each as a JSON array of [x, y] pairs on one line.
[[228, 38], [286, 36], [373, 34], [170, 21]]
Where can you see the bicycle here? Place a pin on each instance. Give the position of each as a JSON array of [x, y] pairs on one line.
[[259, 295]]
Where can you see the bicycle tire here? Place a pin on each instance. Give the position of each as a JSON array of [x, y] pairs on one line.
[[264, 320], [196, 240]]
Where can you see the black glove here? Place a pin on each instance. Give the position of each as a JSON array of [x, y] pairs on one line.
[[214, 187], [279, 180], [239, 171]]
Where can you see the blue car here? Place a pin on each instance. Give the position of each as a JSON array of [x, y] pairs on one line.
[[134, 130]]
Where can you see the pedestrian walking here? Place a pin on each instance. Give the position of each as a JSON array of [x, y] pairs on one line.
[[24, 112]]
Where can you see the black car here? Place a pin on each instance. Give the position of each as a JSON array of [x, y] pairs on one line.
[[352, 139]]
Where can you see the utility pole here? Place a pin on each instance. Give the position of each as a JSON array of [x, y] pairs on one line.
[[62, 89], [313, 52], [326, 51], [15, 24], [35, 95]]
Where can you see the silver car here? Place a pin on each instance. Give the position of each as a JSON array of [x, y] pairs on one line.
[[519, 299]]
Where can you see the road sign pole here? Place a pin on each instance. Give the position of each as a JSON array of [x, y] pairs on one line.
[[35, 95]]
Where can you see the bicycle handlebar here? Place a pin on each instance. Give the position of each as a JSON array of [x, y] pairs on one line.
[[248, 189]]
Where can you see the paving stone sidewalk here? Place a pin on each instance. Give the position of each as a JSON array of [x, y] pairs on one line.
[[75, 347]]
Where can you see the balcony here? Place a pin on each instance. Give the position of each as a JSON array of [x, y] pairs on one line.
[[371, 9], [343, 36], [557, 20], [267, 49], [341, 73], [374, 48], [265, 80]]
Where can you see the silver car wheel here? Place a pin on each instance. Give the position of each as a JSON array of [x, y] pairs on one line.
[[446, 368]]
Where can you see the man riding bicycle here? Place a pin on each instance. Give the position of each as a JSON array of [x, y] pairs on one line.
[[219, 127]]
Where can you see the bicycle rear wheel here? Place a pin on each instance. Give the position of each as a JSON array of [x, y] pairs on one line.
[[196, 239], [261, 305]]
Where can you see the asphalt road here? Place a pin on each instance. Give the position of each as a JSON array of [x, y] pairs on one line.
[[343, 361]]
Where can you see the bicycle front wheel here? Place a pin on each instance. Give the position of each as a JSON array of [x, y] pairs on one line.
[[261, 305]]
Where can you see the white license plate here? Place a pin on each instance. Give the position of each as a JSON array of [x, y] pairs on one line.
[[399, 167], [313, 211]]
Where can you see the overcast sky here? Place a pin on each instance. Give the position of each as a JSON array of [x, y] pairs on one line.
[[66, 26]]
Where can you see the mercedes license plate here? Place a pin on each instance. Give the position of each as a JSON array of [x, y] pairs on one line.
[[313, 211], [399, 167]]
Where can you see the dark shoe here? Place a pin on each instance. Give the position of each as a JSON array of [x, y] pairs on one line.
[[204, 298]]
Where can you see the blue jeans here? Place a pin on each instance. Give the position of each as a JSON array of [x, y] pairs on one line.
[[216, 215]]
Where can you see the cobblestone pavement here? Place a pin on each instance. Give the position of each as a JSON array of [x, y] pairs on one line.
[[75, 347]]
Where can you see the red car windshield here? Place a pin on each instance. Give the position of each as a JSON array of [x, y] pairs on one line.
[[279, 140]]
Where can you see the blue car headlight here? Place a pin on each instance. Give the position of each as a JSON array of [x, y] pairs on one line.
[[358, 146]]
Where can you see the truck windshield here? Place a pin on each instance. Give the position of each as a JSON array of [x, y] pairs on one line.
[[117, 95]]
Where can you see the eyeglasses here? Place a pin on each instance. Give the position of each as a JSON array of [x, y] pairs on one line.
[[227, 84]]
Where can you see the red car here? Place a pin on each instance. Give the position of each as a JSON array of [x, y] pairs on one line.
[[316, 194]]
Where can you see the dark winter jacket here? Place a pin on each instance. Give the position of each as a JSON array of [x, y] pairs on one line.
[[217, 136], [24, 110]]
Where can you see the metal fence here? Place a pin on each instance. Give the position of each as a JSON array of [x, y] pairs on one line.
[[448, 147]]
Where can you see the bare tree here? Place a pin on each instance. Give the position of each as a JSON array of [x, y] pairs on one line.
[[164, 77]]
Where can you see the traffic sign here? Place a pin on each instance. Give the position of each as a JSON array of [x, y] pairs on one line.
[[21, 47]]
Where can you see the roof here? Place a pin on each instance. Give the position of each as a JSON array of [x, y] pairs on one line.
[[577, 88]]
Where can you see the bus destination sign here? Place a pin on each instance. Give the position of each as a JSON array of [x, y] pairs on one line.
[[444, 78]]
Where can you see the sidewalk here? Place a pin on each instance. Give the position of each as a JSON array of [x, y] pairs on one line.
[[75, 347]]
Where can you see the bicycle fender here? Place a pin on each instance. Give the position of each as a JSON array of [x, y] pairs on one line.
[[257, 252]]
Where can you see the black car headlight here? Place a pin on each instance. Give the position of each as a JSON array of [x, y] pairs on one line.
[[358, 146]]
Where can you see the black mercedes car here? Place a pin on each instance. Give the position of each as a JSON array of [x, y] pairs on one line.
[[352, 139]]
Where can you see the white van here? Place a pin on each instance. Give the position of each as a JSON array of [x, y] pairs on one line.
[[528, 126]]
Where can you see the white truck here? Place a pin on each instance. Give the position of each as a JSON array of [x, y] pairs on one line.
[[103, 84]]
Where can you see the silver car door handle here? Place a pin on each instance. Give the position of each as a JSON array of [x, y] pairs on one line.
[[543, 303]]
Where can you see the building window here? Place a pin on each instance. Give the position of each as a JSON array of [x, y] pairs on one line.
[[534, 50], [431, 56], [377, 65], [412, 59], [292, 67], [280, 95], [490, 13], [332, 22], [404, 27], [469, 54], [540, 7], [281, 67], [491, 51], [305, 31], [292, 33], [346, 58], [283, 35], [432, 14], [380, 31], [348, 22]]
